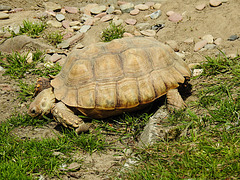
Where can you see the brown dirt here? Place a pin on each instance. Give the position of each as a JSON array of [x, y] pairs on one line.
[[221, 22]]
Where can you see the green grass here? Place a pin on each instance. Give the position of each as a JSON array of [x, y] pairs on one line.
[[32, 29], [209, 148], [54, 38], [112, 32]]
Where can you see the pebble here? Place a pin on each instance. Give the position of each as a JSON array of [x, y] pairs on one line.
[[65, 24], [150, 33], [117, 12], [60, 17], [200, 7], [1, 69], [181, 55], [142, 7], [54, 23], [110, 9], [4, 15], [157, 6], [150, 4], [155, 14], [233, 37], [218, 41], [72, 10], [74, 23], [215, 3], [63, 45], [117, 22], [126, 34], [55, 57], [169, 13], [51, 13], [108, 17], [87, 9], [209, 46], [127, 7], [173, 44], [208, 38], [199, 45], [79, 46], [76, 28], [90, 21], [197, 72], [134, 12], [100, 15], [51, 6], [189, 40], [175, 17], [4, 8], [143, 26], [84, 28], [98, 9], [29, 58], [131, 21]]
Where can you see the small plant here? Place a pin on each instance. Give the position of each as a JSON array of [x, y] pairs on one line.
[[16, 64], [53, 70], [26, 92], [55, 38], [112, 32]]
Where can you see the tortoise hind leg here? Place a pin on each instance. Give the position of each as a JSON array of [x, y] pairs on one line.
[[174, 100], [67, 118]]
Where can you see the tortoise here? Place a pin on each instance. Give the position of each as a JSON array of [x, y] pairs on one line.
[[107, 79]]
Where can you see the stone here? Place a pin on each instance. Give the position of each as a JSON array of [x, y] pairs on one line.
[[200, 7], [4, 15], [87, 9], [127, 7], [1, 69], [73, 166], [98, 9], [197, 72], [173, 44], [74, 23], [117, 12], [90, 21], [16, 10], [72, 10], [131, 21], [76, 28], [29, 58], [215, 3], [100, 15], [208, 38], [155, 14], [119, 3], [51, 6], [60, 17], [51, 13], [218, 41], [150, 33], [157, 6], [79, 46], [130, 28], [117, 22], [84, 28], [126, 34], [181, 55], [134, 12], [5, 8], [233, 37], [55, 57], [107, 17], [175, 17], [143, 26], [54, 23], [199, 45], [142, 7], [150, 4], [189, 40], [169, 13], [63, 45], [210, 46], [110, 9], [66, 24]]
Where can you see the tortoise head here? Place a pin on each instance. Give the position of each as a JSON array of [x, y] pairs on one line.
[[43, 103]]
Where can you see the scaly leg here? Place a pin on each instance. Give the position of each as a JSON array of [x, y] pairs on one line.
[[174, 100], [66, 117]]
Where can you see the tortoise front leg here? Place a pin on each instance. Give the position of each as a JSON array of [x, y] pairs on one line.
[[174, 100], [66, 117]]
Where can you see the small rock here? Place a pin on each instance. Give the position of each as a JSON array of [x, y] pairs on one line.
[[76, 28], [72, 10], [200, 7], [208, 38], [189, 40], [117, 12], [233, 37], [127, 7], [110, 9], [60, 17], [150, 4], [134, 12], [51, 6], [142, 7], [74, 23], [143, 26], [150, 33], [98, 9], [210, 46], [66, 24], [63, 11], [90, 21], [218, 41], [79, 46], [4, 15], [155, 14], [55, 57], [173, 44], [119, 3], [131, 21], [215, 3], [16, 10], [51, 13], [117, 22], [175, 17], [169, 13], [100, 15], [54, 23], [1, 69], [126, 34], [63, 45], [157, 6], [87, 9], [199, 45], [181, 55], [108, 17], [197, 72], [48, 64], [74, 166], [4, 8], [29, 58], [84, 28], [130, 29]]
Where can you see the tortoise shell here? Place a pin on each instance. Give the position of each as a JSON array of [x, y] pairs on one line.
[[118, 75]]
